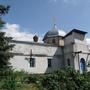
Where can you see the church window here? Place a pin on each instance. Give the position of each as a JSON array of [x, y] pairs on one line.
[[82, 65], [53, 40], [68, 62], [49, 63], [32, 62]]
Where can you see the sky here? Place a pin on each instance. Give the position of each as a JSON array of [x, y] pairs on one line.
[[29, 17]]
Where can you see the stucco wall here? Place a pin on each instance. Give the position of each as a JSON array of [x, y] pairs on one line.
[[69, 39], [78, 36], [75, 43], [80, 46], [41, 54], [68, 49]]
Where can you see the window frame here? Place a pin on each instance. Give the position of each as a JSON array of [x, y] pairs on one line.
[[53, 41], [32, 62], [49, 62], [68, 62]]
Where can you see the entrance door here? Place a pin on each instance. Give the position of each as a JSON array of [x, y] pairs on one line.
[[82, 65]]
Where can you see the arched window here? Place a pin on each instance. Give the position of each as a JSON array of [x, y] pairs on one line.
[[82, 65], [68, 62]]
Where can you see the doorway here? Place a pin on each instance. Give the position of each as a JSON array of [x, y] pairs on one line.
[[82, 65]]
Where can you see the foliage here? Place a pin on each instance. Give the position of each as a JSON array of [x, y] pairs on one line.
[[28, 87], [4, 9], [20, 75], [51, 82], [5, 46], [67, 79], [10, 81]]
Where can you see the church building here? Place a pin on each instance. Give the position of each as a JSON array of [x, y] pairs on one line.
[[56, 52]]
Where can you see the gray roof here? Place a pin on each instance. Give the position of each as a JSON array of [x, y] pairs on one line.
[[54, 32], [75, 30]]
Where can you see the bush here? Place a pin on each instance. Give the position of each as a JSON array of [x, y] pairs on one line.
[[10, 82], [50, 82], [30, 79], [67, 79]]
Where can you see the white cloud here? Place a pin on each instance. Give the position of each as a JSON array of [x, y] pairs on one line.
[[13, 30]]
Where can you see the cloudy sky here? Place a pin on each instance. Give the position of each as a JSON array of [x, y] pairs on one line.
[[29, 17]]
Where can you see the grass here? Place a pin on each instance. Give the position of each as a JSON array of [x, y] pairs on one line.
[[28, 87], [25, 87]]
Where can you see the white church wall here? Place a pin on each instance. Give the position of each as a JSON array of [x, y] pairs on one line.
[[41, 64], [41, 53], [70, 57], [19, 63], [76, 62], [80, 46], [88, 63], [78, 36], [69, 39], [37, 49], [70, 49]]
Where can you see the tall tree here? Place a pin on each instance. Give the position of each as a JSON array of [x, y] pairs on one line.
[[5, 45]]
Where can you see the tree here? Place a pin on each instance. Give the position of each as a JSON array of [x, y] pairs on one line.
[[5, 45]]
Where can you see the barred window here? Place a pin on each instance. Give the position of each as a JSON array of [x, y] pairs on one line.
[[68, 62], [32, 62], [53, 41], [49, 63]]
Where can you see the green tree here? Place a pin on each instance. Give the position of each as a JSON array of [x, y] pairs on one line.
[[5, 45]]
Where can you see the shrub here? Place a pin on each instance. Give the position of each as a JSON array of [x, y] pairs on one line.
[[10, 82]]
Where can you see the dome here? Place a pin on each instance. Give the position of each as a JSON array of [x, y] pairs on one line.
[[54, 32]]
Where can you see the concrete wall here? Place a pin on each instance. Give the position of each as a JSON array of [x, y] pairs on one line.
[[69, 39], [41, 53], [81, 46], [78, 36], [68, 49], [75, 42]]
